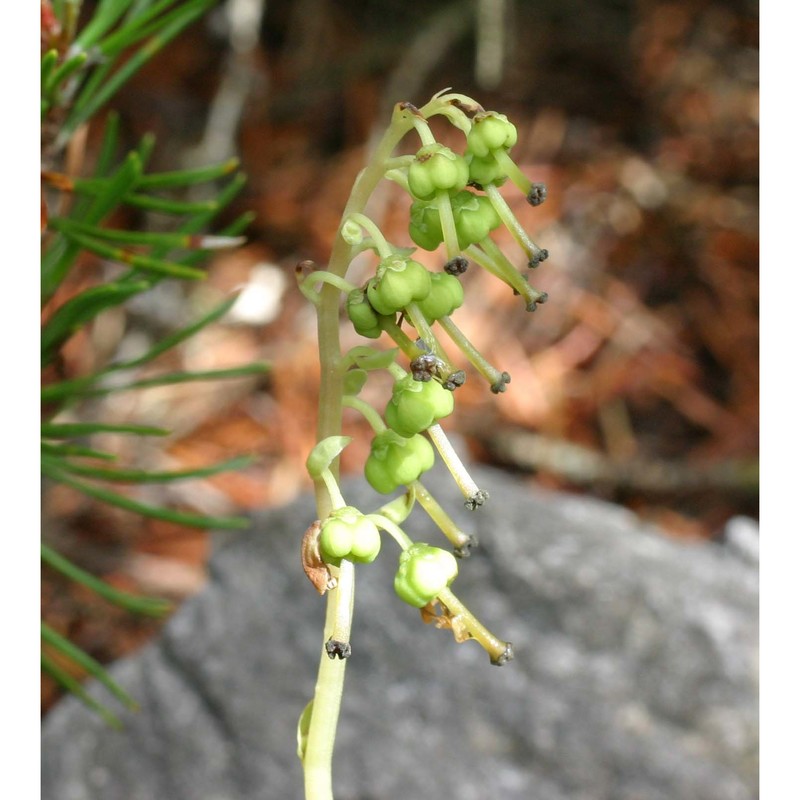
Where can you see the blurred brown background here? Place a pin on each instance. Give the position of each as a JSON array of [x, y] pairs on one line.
[[636, 382]]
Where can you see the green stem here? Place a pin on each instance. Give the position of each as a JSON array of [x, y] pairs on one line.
[[491, 258], [534, 253], [397, 510], [500, 652], [449, 375], [462, 542], [417, 319], [306, 284], [496, 379], [423, 131], [448, 223], [400, 338], [518, 177], [317, 762], [334, 493], [343, 621], [394, 530], [398, 162], [473, 496], [400, 177], [381, 245], [396, 371], [318, 757], [366, 411]]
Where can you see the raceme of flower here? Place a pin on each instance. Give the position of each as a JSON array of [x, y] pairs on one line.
[[455, 204]]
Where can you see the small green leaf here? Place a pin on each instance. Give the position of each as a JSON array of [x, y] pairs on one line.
[[84, 385], [225, 196], [145, 149], [321, 457], [102, 20], [144, 476], [303, 725], [60, 256], [69, 430], [174, 339], [122, 181], [190, 177], [49, 61], [354, 380], [234, 229], [75, 450], [160, 267], [81, 309], [94, 96], [62, 73], [141, 25], [186, 241], [72, 685], [369, 358], [52, 392], [87, 663], [168, 206], [155, 512], [149, 606], [109, 145]]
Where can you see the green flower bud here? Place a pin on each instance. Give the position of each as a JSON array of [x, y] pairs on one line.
[[416, 405], [396, 460], [366, 542], [490, 131], [424, 225], [423, 572], [363, 316], [436, 168], [485, 171], [398, 282], [446, 295], [474, 216], [347, 533]]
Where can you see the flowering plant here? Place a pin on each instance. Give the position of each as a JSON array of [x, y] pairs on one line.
[[455, 203]]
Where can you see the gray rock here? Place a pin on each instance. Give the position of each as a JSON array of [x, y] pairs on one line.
[[635, 675]]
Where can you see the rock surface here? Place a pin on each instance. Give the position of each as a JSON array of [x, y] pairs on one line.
[[635, 675]]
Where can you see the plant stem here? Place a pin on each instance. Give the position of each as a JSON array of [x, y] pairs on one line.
[[397, 510], [534, 253], [518, 177], [396, 371], [462, 542], [381, 245], [471, 627], [318, 758], [397, 533], [366, 411], [335, 495], [501, 268], [399, 337], [423, 131], [448, 223], [417, 319], [493, 375], [317, 761], [306, 284], [473, 496]]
